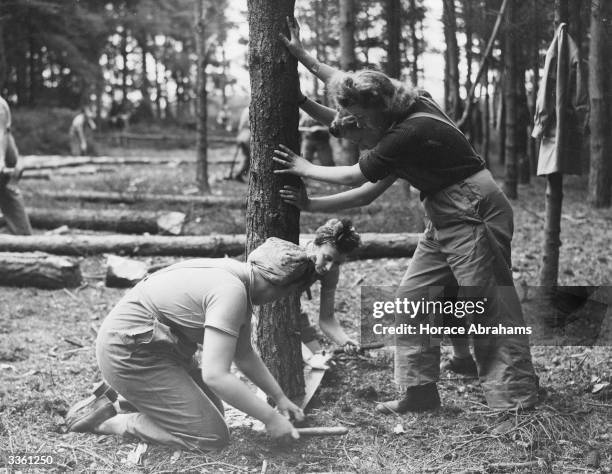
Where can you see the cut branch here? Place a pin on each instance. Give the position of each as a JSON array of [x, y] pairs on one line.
[[483, 65]]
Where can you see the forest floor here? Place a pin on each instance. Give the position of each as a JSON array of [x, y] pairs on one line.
[[47, 360]]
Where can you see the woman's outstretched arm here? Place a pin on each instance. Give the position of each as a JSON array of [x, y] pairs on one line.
[[295, 47], [296, 165], [356, 197], [319, 112]]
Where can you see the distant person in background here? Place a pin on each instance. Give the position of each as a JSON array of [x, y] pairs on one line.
[[78, 138], [315, 141], [11, 202], [243, 141]]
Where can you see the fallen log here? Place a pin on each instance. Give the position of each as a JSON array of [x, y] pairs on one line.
[[55, 162], [39, 269], [121, 221], [132, 198], [373, 246]]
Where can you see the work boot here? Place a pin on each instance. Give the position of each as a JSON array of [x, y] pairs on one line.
[[417, 399], [86, 415], [461, 365]]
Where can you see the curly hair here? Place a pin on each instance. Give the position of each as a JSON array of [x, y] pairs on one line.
[[371, 89], [340, 233]]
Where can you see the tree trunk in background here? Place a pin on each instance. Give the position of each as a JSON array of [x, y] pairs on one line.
[[549, 271], [469, 41], [317, 33], [486, 120], [414, 64], [144, 84], [158, 90], [535, 84], [510, 53], [3, 63], [599, 93], [393, 9], [348, 62], [452, 100], [31, 69], [273, 119], [201, 100], [124, 70], [501, 127], [522, 118]]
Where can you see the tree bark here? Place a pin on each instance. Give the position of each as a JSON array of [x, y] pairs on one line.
[[486, 121], [374, 245], [549, 271], [535, 83], [393, 11], [124, 69], [3, 63], [451, 80], [131, 198], [348, 62], [510, 179], [414, 66], [273, 120], [202, 99], [599, 90], [39, 270], [522, 121]]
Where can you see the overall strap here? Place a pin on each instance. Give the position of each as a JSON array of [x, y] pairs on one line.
[[435, 117]]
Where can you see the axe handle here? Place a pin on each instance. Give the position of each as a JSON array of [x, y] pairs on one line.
[[322, 431]]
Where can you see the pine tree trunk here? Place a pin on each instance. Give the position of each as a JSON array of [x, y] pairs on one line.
[[348, 62], [124, 70], [486, 121], [414, 64], [467, 19], [599, 90], [202, 113], [451, 81], [535, 58], [510, 179], [273, 119], [3, 63], [522, 122], [549, 271], [158, 90], [393, 10]]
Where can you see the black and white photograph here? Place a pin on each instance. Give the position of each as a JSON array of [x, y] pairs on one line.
[[306, 236]]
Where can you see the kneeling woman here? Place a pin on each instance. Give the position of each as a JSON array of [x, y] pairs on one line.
[[146, 344]]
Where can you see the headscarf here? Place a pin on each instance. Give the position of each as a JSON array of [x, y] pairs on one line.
[[282, 263]]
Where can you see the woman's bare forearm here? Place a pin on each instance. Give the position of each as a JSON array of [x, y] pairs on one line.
[[319, 112], [322, 71], [356, 197]]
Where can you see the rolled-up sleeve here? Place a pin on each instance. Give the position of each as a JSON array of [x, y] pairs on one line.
[[372, 166]]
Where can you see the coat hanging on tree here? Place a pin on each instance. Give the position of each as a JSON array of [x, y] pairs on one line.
[[564, 86]]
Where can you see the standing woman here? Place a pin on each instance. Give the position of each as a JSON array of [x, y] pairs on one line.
[[146, 344], [467, 238]]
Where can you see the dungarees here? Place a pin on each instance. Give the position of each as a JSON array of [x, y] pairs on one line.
[[149, 361], [467, 243]]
